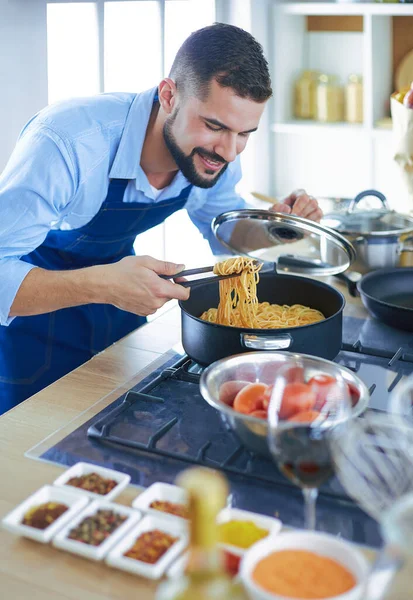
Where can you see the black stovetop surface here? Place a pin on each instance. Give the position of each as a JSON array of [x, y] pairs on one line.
[[162, 425]]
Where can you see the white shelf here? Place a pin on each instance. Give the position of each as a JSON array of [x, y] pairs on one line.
[[315, 127], [345, 8], [382, 132]]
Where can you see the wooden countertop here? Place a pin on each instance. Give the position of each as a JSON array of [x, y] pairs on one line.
[[39, 571]]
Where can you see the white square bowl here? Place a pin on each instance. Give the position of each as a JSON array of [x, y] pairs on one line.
[[174, 527], [82, 468], [48, 493], [61, 540], [177, 568], [164, 492], [236, 514]]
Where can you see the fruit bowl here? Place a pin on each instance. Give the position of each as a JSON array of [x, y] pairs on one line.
[[262, 367]]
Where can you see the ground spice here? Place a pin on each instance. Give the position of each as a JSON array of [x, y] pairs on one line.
[[43, 515], [150, 546], [92, 482], [180, 510], [242, 534], [96, 528], [302, 574]]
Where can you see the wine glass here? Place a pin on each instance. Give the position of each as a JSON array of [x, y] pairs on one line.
[[401, 400], [305, 406]]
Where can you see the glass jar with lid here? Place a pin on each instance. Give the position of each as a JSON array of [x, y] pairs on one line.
[[354, 99], [330, 99], [305, 95]]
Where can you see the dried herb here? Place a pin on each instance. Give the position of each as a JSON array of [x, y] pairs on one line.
[[150, 546], [96, 528], [43, 515], [92, 482]]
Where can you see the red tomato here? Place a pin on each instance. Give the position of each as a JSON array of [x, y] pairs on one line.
[[320, 384], [231, 562], [298, 397], [306, 416], [267, 397], [229, 390], [250, 398], [354, 394], [260, 414]]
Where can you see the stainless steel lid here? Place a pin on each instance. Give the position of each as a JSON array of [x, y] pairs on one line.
[[373, 222], [296, 245]]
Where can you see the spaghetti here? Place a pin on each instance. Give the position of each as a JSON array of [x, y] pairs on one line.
[[239, 306]]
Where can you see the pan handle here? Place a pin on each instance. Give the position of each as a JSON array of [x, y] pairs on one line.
[[266, 342], [351, 278]]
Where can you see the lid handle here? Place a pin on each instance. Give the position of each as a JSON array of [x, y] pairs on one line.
[[361, 195]]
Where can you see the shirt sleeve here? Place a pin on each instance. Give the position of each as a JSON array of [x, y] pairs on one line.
[[35, 191], [206, 204]]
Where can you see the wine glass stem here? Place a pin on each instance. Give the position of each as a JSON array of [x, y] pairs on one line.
[[310, 499]]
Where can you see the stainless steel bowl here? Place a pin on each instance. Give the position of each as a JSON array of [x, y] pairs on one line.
[[262, 367]]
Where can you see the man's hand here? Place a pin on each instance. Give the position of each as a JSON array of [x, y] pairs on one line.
[[301, 204], [133, 284]]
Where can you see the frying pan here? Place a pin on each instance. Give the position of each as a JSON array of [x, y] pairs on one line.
[[388, 295]]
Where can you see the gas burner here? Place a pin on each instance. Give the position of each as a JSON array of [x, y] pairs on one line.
[[162, 425]]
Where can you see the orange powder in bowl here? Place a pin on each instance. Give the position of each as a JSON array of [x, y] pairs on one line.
[[302, 574]]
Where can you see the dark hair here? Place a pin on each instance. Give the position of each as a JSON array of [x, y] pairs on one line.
[[226, 53]]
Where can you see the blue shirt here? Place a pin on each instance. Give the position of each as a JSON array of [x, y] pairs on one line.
[[58, 177]]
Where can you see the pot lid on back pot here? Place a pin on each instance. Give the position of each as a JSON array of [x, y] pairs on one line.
[[380, 221], [295, 245]]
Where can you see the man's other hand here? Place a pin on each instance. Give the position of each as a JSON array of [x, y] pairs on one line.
[[301, 204]]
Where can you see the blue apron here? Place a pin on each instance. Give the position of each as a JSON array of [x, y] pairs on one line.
[[37, 350]]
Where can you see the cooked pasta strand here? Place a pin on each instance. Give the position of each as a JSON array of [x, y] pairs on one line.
[[239, 306]]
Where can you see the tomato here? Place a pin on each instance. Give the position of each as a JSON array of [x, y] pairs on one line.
[[321, 384], [259, 414], [306, 416], [321, 379], [354, 393], [297, 397], [231, 562], [250, 398], [267, 397], [229, 390]]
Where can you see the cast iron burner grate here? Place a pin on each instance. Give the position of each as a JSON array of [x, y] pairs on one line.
[[167, 417]]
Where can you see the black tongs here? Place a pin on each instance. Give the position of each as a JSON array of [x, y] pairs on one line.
[[198, 271]]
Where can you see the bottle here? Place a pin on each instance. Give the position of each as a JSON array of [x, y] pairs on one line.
[[408, 97], [205, 577], [330, 99], [354, 99], [305, 95]]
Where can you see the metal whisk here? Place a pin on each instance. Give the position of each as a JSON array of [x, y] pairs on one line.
[[373, 457]]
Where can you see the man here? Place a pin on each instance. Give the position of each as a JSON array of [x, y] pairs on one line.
[[88, 175]]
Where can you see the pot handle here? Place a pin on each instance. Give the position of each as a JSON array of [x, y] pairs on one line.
[[375, 193], [266, 342]]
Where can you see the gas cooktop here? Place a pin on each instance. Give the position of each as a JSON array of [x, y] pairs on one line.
[[162, 425]]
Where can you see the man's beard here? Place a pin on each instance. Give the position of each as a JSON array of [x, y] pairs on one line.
[[186, 163]]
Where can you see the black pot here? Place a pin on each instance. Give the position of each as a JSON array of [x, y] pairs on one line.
[[207, 342]]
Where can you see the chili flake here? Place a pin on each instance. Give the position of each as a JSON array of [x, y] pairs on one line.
[[92, 482], [96, 528], [150, 546], [43, 515], [180, 510]]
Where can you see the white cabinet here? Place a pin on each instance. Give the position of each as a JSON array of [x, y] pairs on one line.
[[335, 159]]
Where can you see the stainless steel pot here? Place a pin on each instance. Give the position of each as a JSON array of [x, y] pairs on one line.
[[381, 237]]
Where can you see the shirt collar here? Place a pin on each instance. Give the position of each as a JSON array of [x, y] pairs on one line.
[[127, 160]]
